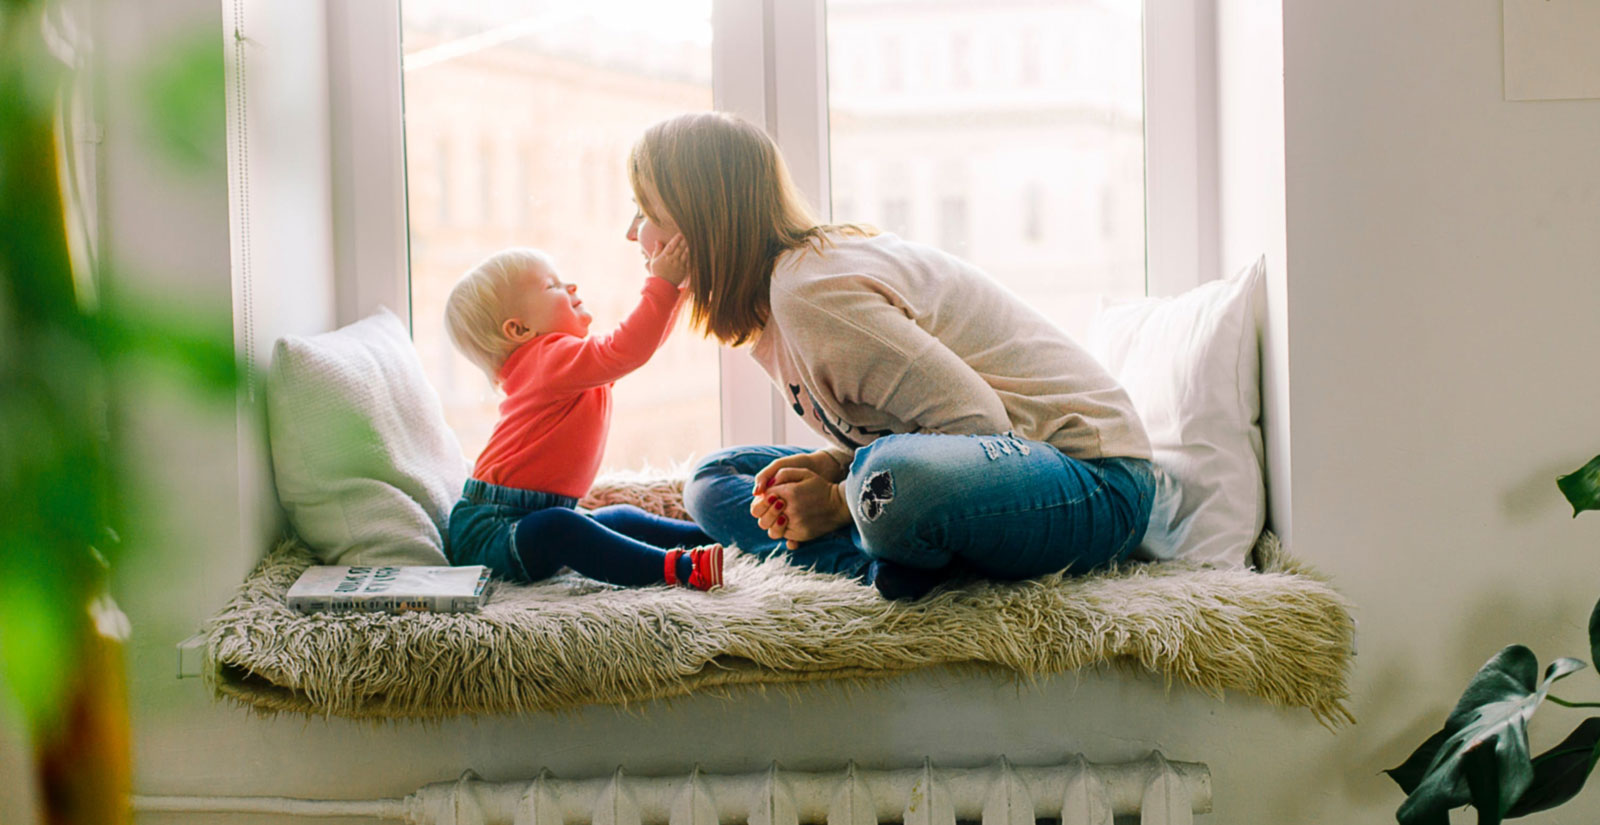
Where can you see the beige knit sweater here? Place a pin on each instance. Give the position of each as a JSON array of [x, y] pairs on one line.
[[873, 336]]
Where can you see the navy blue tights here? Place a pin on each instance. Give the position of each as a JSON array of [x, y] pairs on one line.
[[620, 544]]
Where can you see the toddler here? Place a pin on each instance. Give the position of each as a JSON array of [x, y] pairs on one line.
[[517, 320]]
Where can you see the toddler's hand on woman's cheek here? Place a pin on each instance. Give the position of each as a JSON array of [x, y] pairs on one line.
[[670, 263]]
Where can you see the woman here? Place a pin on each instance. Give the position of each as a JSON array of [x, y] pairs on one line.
[[969, 435]]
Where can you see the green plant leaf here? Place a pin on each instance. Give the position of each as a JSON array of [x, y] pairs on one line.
[[1408, 775], [1491, 715], [1559, 773], [1482, 770], [1594, 635], [66, 481], [1582, 487], [52, 415]]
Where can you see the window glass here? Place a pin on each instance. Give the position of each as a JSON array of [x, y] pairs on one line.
[[519, 116], [1009, 133]]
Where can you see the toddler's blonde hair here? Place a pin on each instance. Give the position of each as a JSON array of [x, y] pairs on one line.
[[475, 312]]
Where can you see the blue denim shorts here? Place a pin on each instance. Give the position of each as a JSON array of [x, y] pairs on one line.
[[483, 527]]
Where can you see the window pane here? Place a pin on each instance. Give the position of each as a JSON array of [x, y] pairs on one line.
[[1009, 133], [519, 117]]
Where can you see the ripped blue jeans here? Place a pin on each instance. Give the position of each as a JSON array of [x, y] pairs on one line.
[[1000, 506]]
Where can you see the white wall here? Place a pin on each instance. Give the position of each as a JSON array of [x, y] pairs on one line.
[[1443, 278], [1435, 286]]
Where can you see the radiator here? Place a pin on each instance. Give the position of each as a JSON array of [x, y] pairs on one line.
[[1076, 792]]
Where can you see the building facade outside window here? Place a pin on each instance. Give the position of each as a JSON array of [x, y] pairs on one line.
[[571, 88], [1008, 132], [1057, 115]]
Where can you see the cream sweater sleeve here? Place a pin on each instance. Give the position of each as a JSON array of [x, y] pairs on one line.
[[861, 348]]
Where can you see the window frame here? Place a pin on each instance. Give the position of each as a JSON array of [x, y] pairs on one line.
[[371, 242], [789, 97]]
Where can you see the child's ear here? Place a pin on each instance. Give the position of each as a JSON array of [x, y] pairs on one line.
[[515, 330]]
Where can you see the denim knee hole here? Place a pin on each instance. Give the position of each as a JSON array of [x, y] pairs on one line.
[[876, 493]]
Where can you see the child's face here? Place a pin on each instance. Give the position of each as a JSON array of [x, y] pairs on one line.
[[545, 303]]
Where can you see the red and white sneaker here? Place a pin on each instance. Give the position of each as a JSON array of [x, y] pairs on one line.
[[707, 567], [670, 570]]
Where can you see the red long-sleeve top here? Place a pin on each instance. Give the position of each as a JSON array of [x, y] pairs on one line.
[[557, 410]]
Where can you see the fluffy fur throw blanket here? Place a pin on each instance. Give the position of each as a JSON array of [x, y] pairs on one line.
[[1281, 634]]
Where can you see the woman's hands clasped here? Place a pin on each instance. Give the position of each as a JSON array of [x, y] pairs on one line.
[[799, 498]]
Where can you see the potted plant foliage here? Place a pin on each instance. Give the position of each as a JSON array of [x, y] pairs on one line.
[[1481, 755], [66, 345]]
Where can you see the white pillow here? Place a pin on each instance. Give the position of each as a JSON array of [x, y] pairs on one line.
[[1191, 364], [365, 466]]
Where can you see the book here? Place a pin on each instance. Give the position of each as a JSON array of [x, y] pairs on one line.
[[336, 589]]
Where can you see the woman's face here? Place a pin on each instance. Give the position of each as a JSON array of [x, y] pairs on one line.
[[650, 236]]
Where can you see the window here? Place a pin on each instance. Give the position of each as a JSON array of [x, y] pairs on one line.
[[443, 179], [893, 72], [897, 216], [1044, 114], [570, 87], [960, 61], [525, 186], [486, 176], [1028, 59], [1108, 213], [955, 155], [595, 203], [953, 225], [1033, 213]]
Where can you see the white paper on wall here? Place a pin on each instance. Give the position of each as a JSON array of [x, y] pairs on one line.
[[1552, 49]]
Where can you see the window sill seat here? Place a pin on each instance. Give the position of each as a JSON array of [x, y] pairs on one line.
[[1280, 634]]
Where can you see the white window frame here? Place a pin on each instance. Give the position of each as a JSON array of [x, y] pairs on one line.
[[371, 240], [1182, 233], [788, 96]]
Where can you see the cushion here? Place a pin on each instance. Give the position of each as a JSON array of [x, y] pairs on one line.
[[365, 466], [1192, 365]]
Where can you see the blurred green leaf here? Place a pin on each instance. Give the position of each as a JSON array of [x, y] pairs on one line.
[[40, 637], [200, 345], [21, 48], [33, 251], [62, 477], [185, 103], [1492, 713], [1582, 487], [51, 465]]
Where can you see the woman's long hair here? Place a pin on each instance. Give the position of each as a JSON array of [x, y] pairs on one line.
[[725, 185]]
